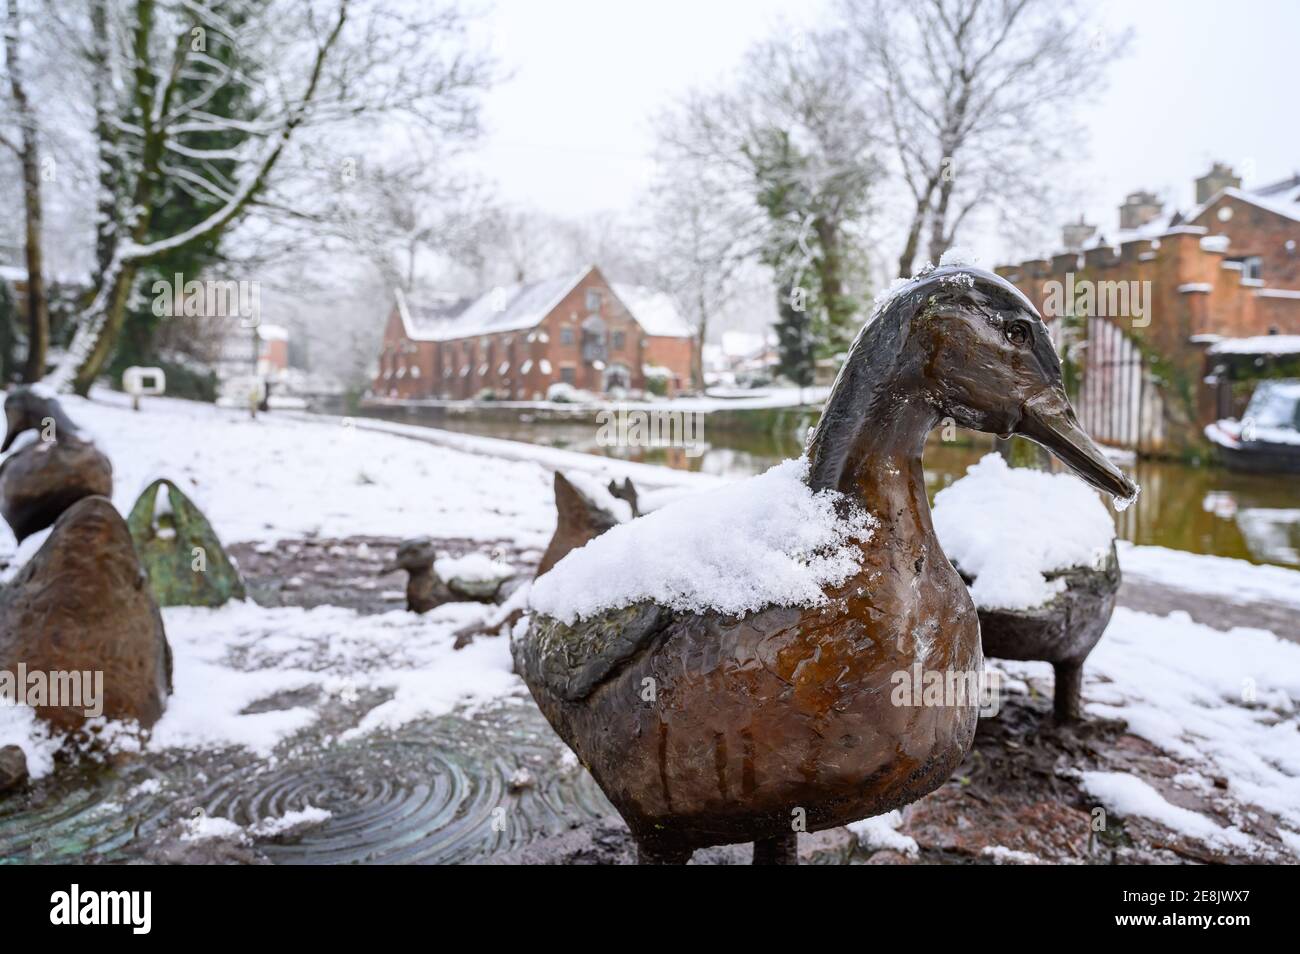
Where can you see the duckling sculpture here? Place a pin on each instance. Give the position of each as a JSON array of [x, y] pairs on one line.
[[1038, 552], [1063, 631], [426, 589], [46, 477], [786, 713]]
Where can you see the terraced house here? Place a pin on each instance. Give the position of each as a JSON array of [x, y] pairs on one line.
[[516, 342], [1148, 309]]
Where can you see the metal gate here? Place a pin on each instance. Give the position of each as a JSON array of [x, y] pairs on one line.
[[1119, 403]]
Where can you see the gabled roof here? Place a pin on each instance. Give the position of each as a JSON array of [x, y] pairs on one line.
[[522, 306], [1281, 198], [515, 307], [654, 311]]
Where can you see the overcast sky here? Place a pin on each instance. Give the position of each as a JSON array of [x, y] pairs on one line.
[[570, 132]]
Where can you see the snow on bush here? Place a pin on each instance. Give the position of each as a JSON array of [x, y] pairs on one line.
[[765, 541], [1009, 527]]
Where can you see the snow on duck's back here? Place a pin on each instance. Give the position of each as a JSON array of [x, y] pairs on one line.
[[766, 541], [1010, 527]]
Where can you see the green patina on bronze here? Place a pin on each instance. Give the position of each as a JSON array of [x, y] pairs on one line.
[[180, 552]]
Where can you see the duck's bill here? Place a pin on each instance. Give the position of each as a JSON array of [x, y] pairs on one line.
[[1049, 420], [11, 431]]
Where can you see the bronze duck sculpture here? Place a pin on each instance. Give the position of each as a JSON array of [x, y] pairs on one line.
[[1062, 632], [426, 589], [41, 480], [785, 714]]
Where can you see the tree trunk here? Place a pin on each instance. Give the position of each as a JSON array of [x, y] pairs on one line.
[[697, 355], [908, 258], [105, 138], [38, 318], [830, 275], [110, 325], [939, 222]]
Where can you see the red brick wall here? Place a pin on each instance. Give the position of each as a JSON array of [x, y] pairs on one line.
[[672, 353], [533, 359], [1256, 231]]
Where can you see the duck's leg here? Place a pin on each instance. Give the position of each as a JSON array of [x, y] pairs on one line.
[[1069, 685], [780, 850], [661, 854]]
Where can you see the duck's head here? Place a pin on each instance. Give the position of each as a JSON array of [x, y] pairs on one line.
[[28, 409], [970, 347], [413, 555]]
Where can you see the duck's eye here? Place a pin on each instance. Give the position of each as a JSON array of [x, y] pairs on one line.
[[1018, 333]]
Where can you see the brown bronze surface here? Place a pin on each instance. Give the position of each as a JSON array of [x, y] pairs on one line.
[[704, 729]]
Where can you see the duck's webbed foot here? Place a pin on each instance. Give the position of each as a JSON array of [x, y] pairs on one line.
[[780, 850], [661, 854], [1066, 702]]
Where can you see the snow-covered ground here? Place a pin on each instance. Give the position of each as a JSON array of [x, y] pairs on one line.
[[1226, 704]]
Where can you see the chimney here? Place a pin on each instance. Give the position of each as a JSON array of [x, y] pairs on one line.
[[1138, 209], [1219, 177], [1075, 234]]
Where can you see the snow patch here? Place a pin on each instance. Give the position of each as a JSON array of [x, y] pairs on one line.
[[1126, 794], [881, 833], [472, 568], [766, 541], [1011, 527]]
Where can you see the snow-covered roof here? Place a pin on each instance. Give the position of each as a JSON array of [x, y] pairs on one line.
[[273, 332], [1163, 224], [1259, 344], [1282, 198], [505, 308], [519, 307], [654, 311]]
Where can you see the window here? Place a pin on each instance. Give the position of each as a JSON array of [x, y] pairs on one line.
[[568, 375], [1251, 269], [566, 336], [593, 299], [619, 340]]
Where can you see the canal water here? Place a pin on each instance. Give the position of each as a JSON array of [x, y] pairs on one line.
[[1211, 510]]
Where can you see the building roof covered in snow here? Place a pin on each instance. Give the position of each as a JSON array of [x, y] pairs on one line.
[[521, 306], [1281, 198], [654, 311], [1258, 344], [505, 308]]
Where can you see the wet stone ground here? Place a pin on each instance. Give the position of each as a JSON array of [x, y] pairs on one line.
[[497, 786]]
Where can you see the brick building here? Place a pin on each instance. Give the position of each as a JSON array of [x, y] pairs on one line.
[[514, 342], [1228, 268]]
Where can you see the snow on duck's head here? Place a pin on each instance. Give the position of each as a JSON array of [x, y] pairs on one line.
[[969, 346]]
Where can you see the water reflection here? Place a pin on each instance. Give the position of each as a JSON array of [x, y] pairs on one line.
[[1199, 509]]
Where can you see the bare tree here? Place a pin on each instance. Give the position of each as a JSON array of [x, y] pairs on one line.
[[316, 65], [977, 95], [700, 243], [793, 142], [27, 150]]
